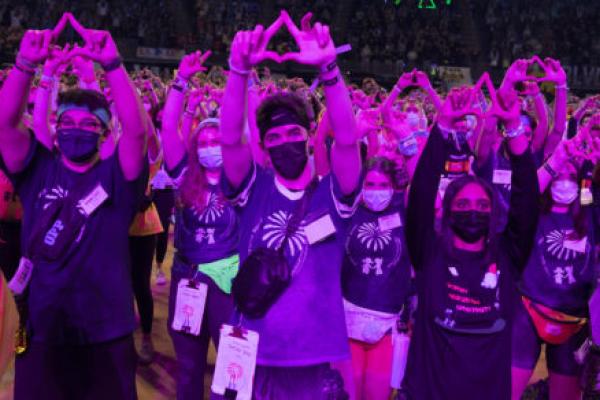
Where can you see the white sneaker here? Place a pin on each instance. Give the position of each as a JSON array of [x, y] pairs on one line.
[[161, 279]]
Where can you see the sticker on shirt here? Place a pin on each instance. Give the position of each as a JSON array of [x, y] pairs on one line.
[[502, 177], [490, 279], [561, 245], [236, 363], [93, 200], [390, 222], [21, 278], [189, 307], [320, 229]]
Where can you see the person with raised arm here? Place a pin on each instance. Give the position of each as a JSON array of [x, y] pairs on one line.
[[289, 211], [77, 212], [206, 230], [466, 274]]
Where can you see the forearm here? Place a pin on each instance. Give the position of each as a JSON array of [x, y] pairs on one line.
[[524, 208], [345, 156], [560, 111], [233, 109], [127, 103], [420, 213], [42, 110], [13, 97], [237, 154], [132, 116], [172, 141], [541, 130], [485, 144], [434, 97]]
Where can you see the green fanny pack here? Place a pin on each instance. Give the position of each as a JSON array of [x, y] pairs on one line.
[[222, 271]]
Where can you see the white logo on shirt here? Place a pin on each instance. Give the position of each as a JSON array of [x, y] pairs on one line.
[[275, 229], [375, 239], [562, 274], [372, 264], [213, 210], [52, 195]]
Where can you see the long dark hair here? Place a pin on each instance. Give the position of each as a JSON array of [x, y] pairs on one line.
[[451, 191]]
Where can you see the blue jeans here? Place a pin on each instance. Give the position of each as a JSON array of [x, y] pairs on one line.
[[191, 350]]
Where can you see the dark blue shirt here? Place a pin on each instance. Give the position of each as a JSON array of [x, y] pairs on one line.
[[86, 296], [376, 267]]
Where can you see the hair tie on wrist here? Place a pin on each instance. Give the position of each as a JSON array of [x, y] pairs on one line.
[[112, 65]]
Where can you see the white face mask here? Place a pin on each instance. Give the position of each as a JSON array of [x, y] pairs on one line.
[[210, 157], [564, 191], [412, 119], [377, 199]]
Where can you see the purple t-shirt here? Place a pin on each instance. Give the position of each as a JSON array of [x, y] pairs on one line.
[[306, 325], [86, 295]]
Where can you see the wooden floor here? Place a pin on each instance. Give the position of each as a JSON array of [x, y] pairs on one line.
[[157, 381]]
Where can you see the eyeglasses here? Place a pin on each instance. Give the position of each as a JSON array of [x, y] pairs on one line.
[[87, 125]]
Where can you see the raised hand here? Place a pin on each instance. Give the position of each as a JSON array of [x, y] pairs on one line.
[[249, 48], [192, 63], [57, 58], [554, 72], [34, 48], [421, 79], [99, 45], [406, 79], [458, 104], [315, 43], [517, 72]]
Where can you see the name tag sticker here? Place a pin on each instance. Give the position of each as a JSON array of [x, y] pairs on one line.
[[586, 197], [189, 307], [502, 177], [21, 278], [576, 245], [319, 229], [236, 362], [389, 222], [92, 201]]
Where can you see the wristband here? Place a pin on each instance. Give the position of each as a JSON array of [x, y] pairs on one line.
[[513, 133], [177, 87], [24, 69], [330, 82], [25, 63], [550, 170], [329, 67], [181, 82], [243, 72], [563, 86], [112, 65], [189, 114]]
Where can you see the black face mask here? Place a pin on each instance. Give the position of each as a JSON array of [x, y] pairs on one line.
[[289, 159], [77, 145], [470, 226]]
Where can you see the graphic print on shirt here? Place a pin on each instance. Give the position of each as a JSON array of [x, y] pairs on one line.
[[208, 216], [213, 210], [373, 250], [48, 196], [469, 305], [271, 231], [563, 258]]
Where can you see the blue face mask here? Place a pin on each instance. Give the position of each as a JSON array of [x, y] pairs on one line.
[[377, 199], [77, 145], [408, 146], [210, 157]]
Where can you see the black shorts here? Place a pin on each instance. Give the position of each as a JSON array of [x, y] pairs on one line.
[[527, 345]]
